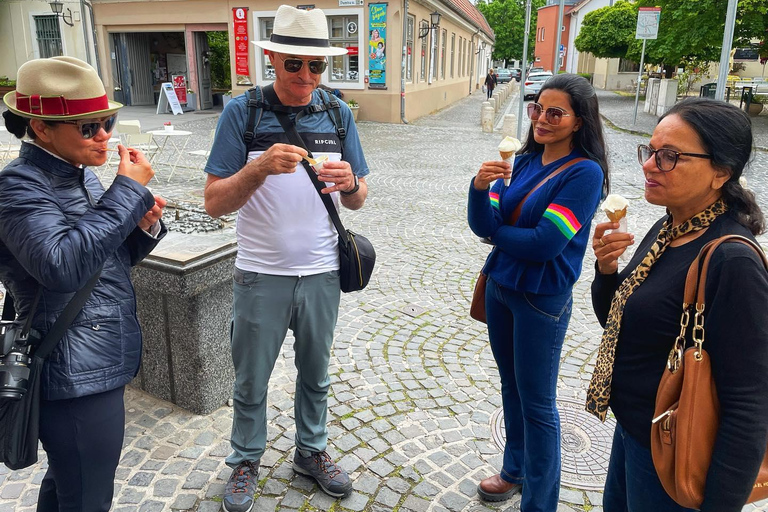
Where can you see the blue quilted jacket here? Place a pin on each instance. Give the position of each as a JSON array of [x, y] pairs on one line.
[[57, 227]]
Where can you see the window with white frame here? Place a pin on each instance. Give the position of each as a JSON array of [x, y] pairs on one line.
[[344, 34], [266, 26], [453, 50], [409, 49], [434, 45], [48, 36], [461, 53], [442, 54], [423, 53]]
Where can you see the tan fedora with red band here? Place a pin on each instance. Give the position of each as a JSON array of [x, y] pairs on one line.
[[59, 88]]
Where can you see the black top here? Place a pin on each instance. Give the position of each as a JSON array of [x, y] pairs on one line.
[[490, 80], [736, 338]]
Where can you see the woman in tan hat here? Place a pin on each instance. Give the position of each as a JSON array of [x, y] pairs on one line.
[[58, 228]]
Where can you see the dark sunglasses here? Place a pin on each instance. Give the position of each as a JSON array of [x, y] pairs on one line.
[[666, 159], [90, 127], [553, 115], [316, 67]]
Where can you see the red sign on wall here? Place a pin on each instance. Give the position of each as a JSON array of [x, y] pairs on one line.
[[240, 19], [180, 87]]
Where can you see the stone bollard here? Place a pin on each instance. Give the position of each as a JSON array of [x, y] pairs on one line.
[[486, 117], [509, 128], [493, 103]]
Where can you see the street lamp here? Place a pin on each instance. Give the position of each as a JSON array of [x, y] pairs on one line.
[[424, 29], [480, 47], [58, 10]]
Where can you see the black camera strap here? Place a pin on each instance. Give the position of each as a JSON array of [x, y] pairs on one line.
[[66, 317], [293, 136]]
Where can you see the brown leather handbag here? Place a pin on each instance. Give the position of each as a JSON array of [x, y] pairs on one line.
[[477, 306], [687, 412]]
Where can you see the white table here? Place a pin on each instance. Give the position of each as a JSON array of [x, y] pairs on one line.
[[176, 141]]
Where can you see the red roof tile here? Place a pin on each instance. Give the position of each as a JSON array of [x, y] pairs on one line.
[[470, 13]]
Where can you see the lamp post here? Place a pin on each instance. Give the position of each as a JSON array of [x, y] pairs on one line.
[[524, 69], [58, 10]]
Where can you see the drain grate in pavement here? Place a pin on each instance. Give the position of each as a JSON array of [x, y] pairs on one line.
[[585, 444]]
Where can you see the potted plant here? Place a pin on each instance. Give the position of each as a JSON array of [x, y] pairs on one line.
[[6, 85], [352, 104], [756, 105], [225, 98], [168, 126], [191, 99]]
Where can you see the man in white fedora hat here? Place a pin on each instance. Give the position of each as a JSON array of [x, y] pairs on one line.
[[287, 269]]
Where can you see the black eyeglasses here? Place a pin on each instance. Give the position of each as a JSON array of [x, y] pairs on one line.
[[316, 67], [666, 159], [90, 127], [553, 115]]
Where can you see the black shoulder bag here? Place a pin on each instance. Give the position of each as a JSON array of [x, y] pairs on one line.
[[21, 366], [356, 254]]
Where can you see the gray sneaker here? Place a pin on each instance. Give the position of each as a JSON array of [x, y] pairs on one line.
[[329, 476], [242, 483]]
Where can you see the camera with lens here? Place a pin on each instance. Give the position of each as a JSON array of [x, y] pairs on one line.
[[15, 357]]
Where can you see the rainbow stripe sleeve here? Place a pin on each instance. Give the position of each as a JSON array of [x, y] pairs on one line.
[[494, 199], [564, 219]]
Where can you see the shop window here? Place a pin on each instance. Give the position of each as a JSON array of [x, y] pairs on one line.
[[409, 49], [453, 50], [344, 34], [628, 66], [265, 31], [442, 54], [424, 53], [48, 36]]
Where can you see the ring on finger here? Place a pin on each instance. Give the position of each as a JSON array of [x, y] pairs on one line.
[[602, 242]]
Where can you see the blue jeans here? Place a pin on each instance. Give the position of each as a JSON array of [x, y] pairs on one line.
[[527, 332], [264, 308], [632, 484]]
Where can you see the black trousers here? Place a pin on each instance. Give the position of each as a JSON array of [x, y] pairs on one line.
[[83, 438]]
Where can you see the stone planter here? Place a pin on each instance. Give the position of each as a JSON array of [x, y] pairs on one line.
[[225, 98], [755, 109], [354, 112], [192, 100]]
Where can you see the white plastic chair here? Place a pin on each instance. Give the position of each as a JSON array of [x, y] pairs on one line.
[[9, 146], [131, 134], [201, 155]]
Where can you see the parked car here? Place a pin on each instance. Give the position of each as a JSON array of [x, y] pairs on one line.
[[533, 83], [516, 74], [537, 69], [503, 76]]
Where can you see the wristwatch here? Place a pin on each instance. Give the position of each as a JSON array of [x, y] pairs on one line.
[[354, 189]]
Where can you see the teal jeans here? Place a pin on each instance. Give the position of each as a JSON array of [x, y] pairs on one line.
[[263, 309]]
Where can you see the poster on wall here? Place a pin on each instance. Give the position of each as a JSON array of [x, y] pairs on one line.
[[240, 18], [180, 87], [377, 46]]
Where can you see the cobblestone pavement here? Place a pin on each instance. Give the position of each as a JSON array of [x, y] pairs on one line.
[[414, 405]]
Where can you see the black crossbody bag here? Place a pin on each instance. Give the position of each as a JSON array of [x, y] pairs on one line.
[[356, 254], [20, 417]]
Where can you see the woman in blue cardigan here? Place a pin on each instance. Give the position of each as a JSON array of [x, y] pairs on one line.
[[531, 271]]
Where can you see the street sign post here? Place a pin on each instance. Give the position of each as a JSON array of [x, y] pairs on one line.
[[647, 28]]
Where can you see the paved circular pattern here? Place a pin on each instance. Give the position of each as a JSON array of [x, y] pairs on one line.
[[585, 444]]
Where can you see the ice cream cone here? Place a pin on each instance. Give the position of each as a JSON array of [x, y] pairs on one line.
[[616, 215], [506, 154]]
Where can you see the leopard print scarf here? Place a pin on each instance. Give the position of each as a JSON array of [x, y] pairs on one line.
[[599, 392]]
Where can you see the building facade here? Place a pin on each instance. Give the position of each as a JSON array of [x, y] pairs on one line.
[[400, 64], [546, 36]]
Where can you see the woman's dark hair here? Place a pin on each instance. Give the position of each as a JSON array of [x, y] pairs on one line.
[[725, 132], [17, 125], [589, 139]]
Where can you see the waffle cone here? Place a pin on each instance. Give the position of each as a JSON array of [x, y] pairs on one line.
[[505, 155], [616, 215]]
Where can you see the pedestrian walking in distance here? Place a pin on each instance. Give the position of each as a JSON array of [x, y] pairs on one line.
[[490, 82], [287, 268]]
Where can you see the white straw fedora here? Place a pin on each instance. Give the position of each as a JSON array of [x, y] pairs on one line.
[[300, 32], [59, 88]]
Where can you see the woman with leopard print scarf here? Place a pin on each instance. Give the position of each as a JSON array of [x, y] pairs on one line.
[[692, 166]]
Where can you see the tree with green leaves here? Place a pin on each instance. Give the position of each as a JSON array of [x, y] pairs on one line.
[[507, 19], [608, 32], [218, 44], [689, 31]]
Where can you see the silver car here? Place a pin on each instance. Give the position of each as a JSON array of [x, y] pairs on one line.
[[533, 83]]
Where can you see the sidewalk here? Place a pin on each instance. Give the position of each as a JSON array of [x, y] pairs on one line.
[[414, 409], [618, 110]]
